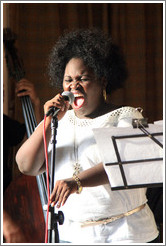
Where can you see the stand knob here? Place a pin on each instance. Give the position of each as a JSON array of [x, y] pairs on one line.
[[60, 217]]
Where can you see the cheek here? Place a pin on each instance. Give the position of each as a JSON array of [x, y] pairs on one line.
[[94, 91], [66, 87]]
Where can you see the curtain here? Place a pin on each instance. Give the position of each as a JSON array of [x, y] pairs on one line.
[[5, 72], [136, 27]]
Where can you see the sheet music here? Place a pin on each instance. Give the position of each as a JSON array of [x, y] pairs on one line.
[[141, 158]]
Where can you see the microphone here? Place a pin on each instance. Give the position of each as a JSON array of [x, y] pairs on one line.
[[68, 96]]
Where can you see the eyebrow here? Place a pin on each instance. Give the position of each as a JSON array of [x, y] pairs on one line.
[[78, 75]]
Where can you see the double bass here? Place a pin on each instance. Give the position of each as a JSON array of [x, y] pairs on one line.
[[26, 196]]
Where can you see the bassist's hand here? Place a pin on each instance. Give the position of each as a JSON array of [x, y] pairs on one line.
[[25, 88]]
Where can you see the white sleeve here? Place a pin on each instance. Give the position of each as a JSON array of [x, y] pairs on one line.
[[129, 113]]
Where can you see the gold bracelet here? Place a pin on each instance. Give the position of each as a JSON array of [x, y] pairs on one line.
[[78, 181]]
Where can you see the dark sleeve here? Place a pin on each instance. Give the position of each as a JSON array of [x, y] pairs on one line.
[[155, 201], [13, 131], [13, 134]]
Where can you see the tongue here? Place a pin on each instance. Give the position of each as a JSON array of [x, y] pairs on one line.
[[78, 102]]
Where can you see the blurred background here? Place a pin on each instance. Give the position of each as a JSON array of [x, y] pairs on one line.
[[136, 27]]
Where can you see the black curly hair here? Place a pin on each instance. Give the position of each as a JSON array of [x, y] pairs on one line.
[[97, 51]]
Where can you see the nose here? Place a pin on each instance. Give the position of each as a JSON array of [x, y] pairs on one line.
[[74, 84]]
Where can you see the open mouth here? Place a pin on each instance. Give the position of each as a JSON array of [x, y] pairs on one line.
[[78, 102]]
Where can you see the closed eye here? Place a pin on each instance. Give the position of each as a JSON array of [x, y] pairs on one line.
[[79, 79], [85, 79], [68, 80]]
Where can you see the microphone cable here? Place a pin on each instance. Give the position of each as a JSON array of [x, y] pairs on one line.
[[48, 185]]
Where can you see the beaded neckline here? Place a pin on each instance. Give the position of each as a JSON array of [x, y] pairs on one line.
[[113, 115]]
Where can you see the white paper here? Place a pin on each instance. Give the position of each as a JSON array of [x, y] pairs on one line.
[[131, 149]]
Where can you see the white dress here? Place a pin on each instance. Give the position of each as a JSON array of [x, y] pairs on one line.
[[75, 139]]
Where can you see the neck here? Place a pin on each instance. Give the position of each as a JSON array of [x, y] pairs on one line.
[[101, 110]]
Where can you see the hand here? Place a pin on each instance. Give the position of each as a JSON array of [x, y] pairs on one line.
[[25, 88], [62, 190], [58, 102], [14, 235], [11, 231]]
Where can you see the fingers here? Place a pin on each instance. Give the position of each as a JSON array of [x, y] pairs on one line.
[[25, 88], [24, 84], [60, 194], [62, 190], [58, 102]]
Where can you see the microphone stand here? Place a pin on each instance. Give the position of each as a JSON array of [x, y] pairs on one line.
[[53, 218]]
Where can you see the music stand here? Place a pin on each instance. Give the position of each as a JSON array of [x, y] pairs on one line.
[[132, 156]]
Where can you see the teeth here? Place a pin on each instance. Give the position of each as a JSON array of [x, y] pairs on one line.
[[77, 95]]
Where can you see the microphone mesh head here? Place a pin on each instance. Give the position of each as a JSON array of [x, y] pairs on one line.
[[69, 96]]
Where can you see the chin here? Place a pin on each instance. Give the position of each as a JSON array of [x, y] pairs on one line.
[[80, 111]]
